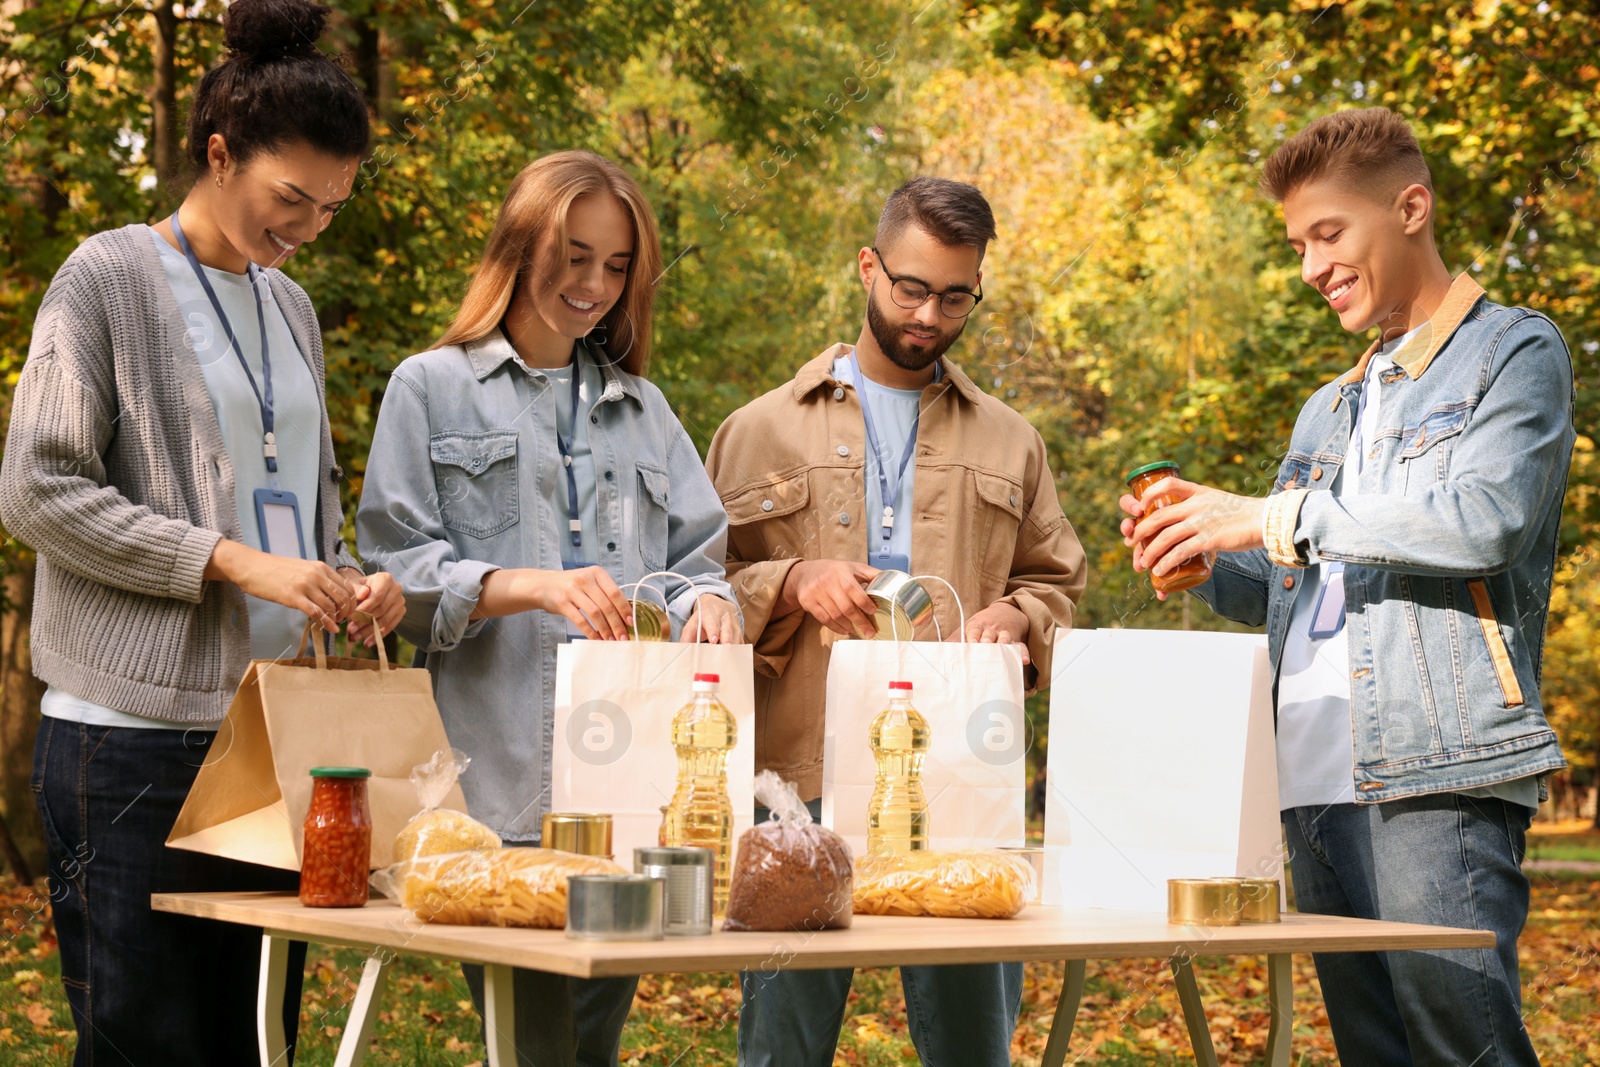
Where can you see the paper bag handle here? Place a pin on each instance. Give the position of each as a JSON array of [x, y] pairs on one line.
[[937, 629], [321, 653], [699, 623]]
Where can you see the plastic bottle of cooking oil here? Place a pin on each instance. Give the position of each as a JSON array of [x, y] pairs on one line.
[[700, 813], [897, 816]]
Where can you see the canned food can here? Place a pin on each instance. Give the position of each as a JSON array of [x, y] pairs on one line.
[[687, 895], [650, 622], [1258, 901], [586, 833], [1203, 901], [614, 907], [903, 605]]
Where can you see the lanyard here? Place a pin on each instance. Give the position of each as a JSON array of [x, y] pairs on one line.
[[269, 446], [887, 493], [574, 523]]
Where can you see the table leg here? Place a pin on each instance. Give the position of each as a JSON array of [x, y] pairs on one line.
[[1194, 1012], [1055, 1050], [364, 1009], [1280, 1001], [499, 1015], [270, 990]]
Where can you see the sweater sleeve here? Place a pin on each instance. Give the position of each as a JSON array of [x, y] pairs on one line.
[[53, 487]]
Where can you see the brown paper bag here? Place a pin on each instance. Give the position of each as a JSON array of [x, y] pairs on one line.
[[251, 795]]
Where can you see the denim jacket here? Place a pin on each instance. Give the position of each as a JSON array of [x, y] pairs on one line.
[[464, 442], [1449, 547]]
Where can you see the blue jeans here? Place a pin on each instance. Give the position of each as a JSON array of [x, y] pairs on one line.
[[959, 1015], [1445, 860], [146, 988], [562, 1021]]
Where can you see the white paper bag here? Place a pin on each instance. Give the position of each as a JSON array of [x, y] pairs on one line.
[[613, 731], [1161, 765], [975, 775]]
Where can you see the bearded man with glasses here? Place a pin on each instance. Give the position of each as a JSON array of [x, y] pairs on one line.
[[883, 455]]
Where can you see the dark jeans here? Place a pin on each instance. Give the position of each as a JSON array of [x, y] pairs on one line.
[[1442, 860], [146, 988]]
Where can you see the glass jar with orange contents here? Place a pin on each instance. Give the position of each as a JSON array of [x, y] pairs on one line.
[[1192, 572], [337, 852]]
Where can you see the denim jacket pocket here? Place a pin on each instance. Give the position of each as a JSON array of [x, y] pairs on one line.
[[1294, 473], [655, 498], [1499, 655], [1425, 447], [783, 508], [475, 475], [999, 520]]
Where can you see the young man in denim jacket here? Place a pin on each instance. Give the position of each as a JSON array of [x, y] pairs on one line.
[[1402, 568]]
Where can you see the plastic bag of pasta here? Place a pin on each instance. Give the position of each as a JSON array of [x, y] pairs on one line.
[[489, 887], [791, 874], [435, 830], [972, 883]]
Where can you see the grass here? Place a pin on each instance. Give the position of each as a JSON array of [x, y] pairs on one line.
[[1567, 841], [1129, 1016]]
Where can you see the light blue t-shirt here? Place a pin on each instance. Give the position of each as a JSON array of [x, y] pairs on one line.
[[297, 417], [894, 411]]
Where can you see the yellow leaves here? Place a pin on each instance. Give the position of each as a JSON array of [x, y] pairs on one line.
[[39, 1015]]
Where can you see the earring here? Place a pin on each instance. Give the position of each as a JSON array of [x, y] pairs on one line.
[[219, 179]]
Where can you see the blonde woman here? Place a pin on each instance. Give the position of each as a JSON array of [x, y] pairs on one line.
[[523, 470]]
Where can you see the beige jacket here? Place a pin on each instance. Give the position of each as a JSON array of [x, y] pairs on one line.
[[789, 469]]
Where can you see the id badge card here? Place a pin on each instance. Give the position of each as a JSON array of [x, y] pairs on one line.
[[573, 633], [278, 520], [1327, 618], [890, 561]]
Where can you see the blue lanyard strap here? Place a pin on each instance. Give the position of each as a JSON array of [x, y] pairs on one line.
[[574, 523], [269, 447], [888, 493]]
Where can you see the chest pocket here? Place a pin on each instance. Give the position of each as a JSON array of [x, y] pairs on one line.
[[777, 514], [655, 499], [1425, 448], [999, 522], [475, 475], [1294, 473]]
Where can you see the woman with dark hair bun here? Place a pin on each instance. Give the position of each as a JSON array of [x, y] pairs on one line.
[[170, 460]]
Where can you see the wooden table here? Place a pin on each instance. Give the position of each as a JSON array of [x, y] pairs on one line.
[[1038, 934]]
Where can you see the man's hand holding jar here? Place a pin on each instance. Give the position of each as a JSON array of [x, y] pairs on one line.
[[1175, 528]]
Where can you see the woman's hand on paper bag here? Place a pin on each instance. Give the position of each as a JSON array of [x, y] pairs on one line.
[[999, 623], [714, 621], [379, 596], [306, 585]]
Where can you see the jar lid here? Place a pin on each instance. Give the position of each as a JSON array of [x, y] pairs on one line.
[[340, 772], [1159, 464]]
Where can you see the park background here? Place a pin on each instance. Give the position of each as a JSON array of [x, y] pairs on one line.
[[1140, 302]]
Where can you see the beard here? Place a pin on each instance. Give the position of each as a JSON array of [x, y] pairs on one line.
[[891, 340]]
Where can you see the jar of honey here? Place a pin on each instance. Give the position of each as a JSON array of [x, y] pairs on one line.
[[337, 850], [1192, 572]]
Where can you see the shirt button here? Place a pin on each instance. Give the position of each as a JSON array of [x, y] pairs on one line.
[[611, 546], [1288, 582], [609, 475], [1316, 473], [766, 505], [594, 420], [838, 394], [844, 518], [1013, 500], [844, 450]]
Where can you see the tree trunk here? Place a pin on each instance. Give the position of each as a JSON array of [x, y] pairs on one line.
[[19, 720], [164, 98]]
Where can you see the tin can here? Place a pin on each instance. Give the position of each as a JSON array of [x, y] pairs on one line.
[[614, 907], [689, 874], [1258, 900], [586, 833], [1203, 901], [904, 606], [1034, 857], [650, 622]]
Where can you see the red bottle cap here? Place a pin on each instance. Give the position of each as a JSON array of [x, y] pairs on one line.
[[900, 685], [708, 678]]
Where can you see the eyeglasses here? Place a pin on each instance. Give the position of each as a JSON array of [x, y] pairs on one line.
[[912, 294]]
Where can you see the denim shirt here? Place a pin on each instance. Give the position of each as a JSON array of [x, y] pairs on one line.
[[463, 472], [1449, 548]]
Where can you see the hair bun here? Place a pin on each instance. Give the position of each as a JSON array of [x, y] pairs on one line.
[[264, 30]]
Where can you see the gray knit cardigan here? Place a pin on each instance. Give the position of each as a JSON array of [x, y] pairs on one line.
[[116, 474]]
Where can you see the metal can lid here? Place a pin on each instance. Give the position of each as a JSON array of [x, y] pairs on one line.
[[340, 772], [716, 678], [673, 855], [1160, 464]]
